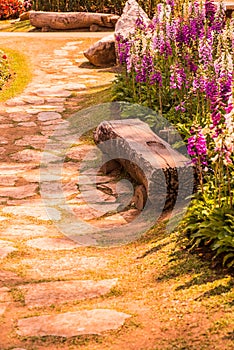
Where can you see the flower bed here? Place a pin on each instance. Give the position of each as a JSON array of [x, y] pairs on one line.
[[181, 65], [11, 9], [4, 69]]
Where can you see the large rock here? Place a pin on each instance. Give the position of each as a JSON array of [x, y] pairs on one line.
[[102, 53], [127, 22]]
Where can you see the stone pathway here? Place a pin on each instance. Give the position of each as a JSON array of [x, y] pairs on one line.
[[31, 247]]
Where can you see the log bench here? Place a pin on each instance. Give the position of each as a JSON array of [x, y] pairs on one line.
[[71, 20], [161, 174]]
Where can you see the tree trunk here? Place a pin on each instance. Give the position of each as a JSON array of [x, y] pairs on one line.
[[152, 162], [71, 20]]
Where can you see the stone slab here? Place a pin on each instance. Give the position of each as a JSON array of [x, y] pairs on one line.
[[4, 295], [8, 277], [28, 124], [3, 307], [27, 155], [13, 168], [6, 248], [72, 324], [48, 116], [52, 92], [19, 192], [7, 180], [67, 266], [54, 293], [32, 211], [52, 244], [36, 141], [24, 231]]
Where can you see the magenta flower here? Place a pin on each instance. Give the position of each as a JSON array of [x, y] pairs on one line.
[[178, 77], [197, 147]]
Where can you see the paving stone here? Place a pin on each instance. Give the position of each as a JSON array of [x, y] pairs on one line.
[[74, 86], [19, 192], [3, 119], [49, 157], [6, 248], [84, 212], [6, 126], [72, 324], [17, 101], [52, 92], [70, 48], [2, 150], [65, 267], [52, 244], [37, 109], [55, 99], [20, 117], [28, 124], [7, 180], [4, 295], [36, 175], [71, 70], [48, 116], [33, 100], [24, 231], [60, 52], [54, 122], [14, 168], [8, 277], [71, 43], [3, 141], [36, 141], [27, 155], [48, 293], [2, 309], [33, 211], [15, 109], [82, 152]]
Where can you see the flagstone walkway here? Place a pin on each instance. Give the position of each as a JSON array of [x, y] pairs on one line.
[[40, 268]]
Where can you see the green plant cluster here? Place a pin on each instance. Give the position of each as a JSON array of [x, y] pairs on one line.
[[207, 225], [106, 6], [181, 65], [4, 69]]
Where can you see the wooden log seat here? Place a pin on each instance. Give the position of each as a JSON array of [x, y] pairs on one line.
[[71, 20], [160, 173]]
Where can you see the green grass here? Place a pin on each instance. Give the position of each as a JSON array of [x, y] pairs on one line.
[[21, 75], [16, 26]]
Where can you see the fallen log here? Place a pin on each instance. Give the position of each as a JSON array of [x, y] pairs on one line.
[[71, 20], [162, 174]]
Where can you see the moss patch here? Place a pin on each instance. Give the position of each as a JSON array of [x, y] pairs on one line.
[[21, 75]]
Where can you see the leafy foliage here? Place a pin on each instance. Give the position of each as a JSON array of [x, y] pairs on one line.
[[211, 226], [11, 9], [181, 64], [4, 69], [91, 5]]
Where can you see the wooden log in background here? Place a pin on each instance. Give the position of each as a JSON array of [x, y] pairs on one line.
[[71, 20], [149, 160]]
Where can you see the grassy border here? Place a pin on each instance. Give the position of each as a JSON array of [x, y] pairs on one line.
[[21, 74]]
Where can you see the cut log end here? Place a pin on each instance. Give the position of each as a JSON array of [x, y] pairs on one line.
[[140, 197]]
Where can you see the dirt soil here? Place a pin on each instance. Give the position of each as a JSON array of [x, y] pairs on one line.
[[175, 299]]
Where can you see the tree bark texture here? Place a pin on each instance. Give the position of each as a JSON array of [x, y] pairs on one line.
[[165, 174], [71, 20]]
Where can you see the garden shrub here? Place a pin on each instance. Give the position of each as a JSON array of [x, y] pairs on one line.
[[181, 65], [11, 9], [109, 6], [4, 69]]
